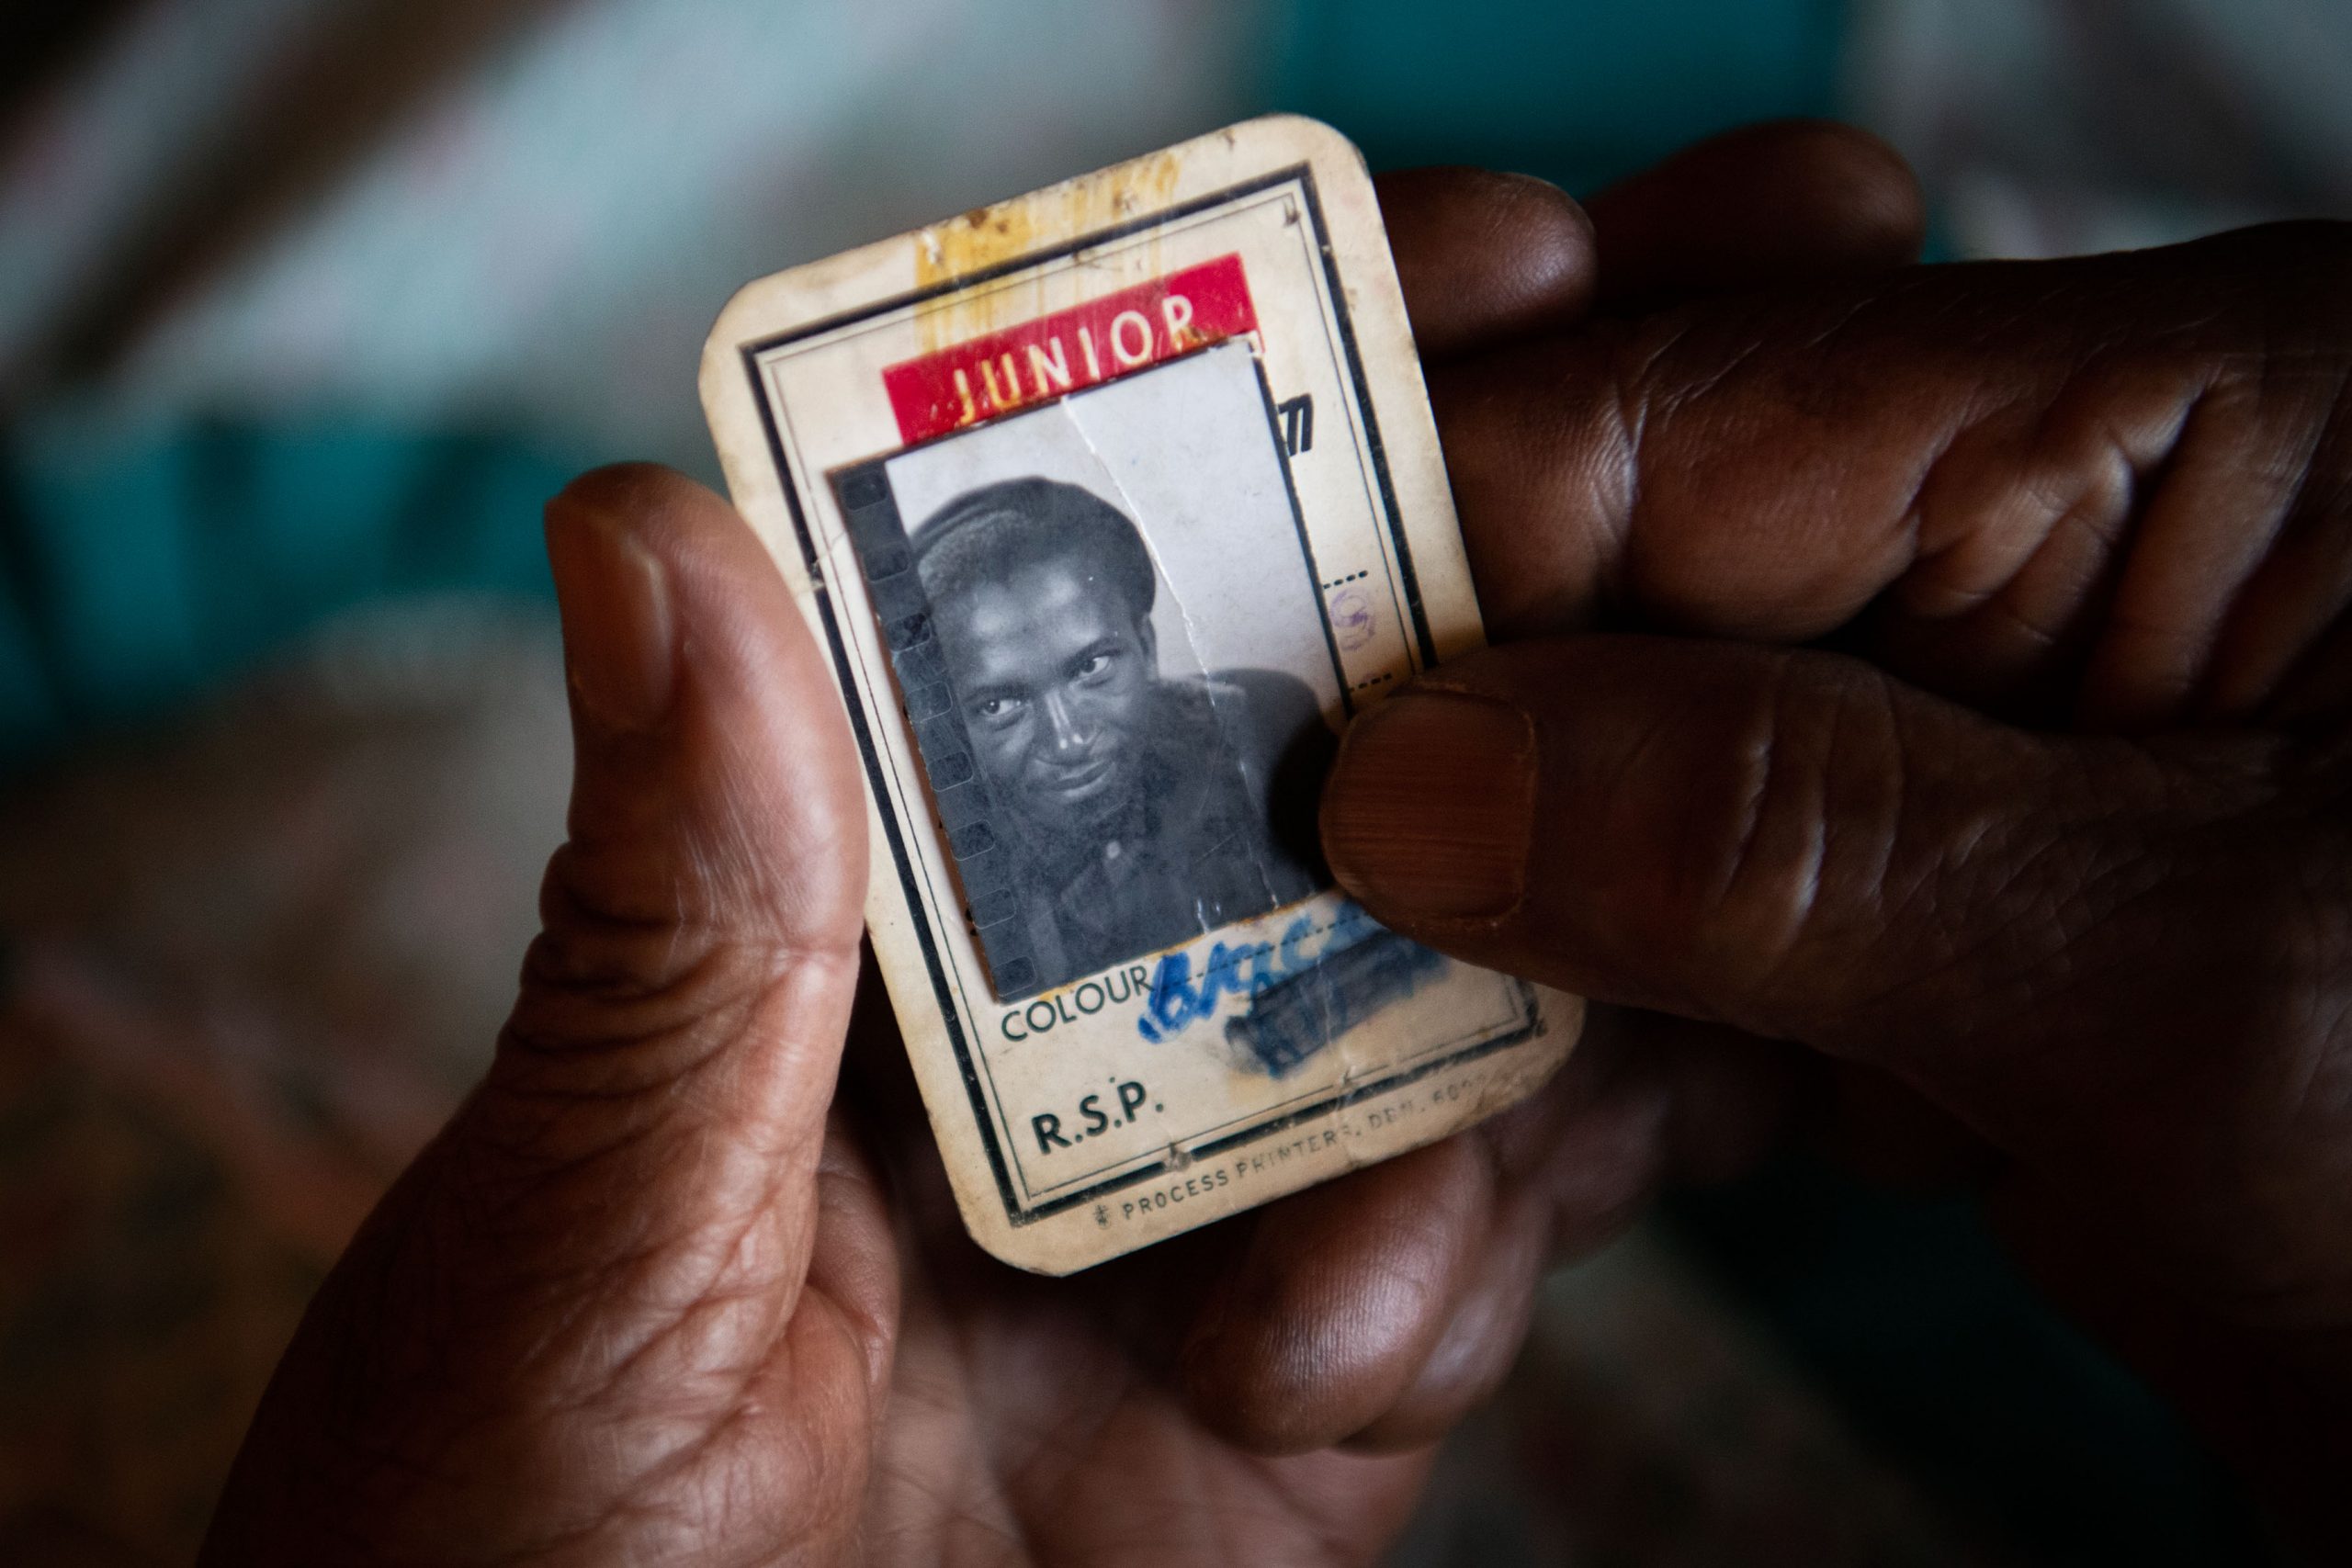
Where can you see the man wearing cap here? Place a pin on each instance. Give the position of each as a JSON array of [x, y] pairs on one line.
[[1145, 810]]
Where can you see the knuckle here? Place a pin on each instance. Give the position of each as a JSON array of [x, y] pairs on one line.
[[1861, 859], [630, 1016], [1753, 883], [618, 965]]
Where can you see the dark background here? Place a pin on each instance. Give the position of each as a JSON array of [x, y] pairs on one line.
[[306, 307]]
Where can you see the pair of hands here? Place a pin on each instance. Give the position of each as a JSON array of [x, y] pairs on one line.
[[1982, 809]]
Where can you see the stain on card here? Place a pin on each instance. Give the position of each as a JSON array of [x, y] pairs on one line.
[[989, 236]]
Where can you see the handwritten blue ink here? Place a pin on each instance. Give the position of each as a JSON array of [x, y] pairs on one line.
[[1289, 1022], [1177, 1000]]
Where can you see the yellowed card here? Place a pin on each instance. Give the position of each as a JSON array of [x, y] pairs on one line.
[[1110, 505]]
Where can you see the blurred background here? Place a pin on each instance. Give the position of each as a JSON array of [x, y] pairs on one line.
[[307, 305]]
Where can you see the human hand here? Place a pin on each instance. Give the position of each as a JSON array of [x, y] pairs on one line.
[[655, 1293], [658, 1292], [1996, 750]]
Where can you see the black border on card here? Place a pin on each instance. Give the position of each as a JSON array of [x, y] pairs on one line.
[[1303, 175]]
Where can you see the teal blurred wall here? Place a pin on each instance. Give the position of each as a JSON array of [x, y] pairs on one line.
[[1581, 92], [142, 560]]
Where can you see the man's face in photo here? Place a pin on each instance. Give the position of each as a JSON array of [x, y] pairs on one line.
[[1055, 674]]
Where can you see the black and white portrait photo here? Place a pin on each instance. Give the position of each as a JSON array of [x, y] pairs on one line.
[[1137, 670]]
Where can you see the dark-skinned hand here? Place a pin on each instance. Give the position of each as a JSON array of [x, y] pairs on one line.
[[1948, 673], [658, 1294]]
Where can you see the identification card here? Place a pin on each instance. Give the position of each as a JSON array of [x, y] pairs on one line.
[[1110, 506]]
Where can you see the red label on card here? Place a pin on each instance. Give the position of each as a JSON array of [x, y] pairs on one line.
[[1101, 340]]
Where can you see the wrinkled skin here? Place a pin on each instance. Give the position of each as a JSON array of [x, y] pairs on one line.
[[659, 1293], [2044, 845]]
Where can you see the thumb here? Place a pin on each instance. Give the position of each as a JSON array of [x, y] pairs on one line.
[[665, 1076], [598, 1263], [1789, 842], [699, 948]]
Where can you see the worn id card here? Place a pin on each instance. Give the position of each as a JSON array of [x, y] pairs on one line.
[[1110, 506]]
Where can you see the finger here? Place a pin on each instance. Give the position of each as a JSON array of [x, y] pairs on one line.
[[1795, 845], [1480, 1335], [582, 1306], [2100, 957], [2035, 473], [1793, 201], [1337, 1300], [665, 1076], [1280, 1364], [700, 945], [1379, 1309], [1484, 257], [713, 780], [1662, 1101]]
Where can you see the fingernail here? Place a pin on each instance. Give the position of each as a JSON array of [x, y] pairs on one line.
[[1431, 805], [618, 642]]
